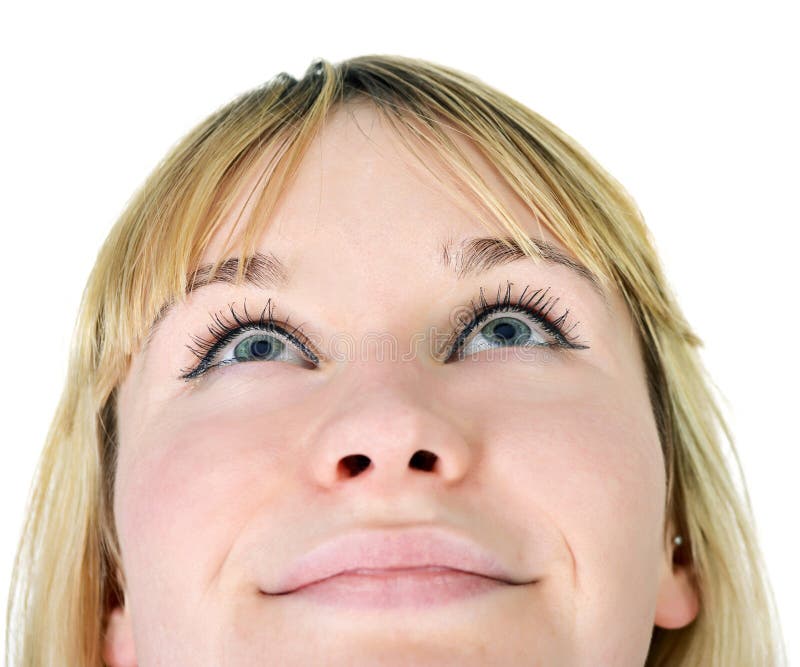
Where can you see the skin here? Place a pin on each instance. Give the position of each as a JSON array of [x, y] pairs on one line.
[[550, 461]]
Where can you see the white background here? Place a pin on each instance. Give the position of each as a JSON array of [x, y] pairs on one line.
[[691, 105]]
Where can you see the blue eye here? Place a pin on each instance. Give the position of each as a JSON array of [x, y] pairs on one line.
[[260, 347], [243, 339], [253, 343], [503, 332], [524, 322], [507, 330]]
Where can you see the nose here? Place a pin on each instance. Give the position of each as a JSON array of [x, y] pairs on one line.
[[383, 430]]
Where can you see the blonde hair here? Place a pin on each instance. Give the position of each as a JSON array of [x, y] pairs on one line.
[[67, 575]]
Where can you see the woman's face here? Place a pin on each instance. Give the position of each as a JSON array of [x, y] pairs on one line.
[[400, 446]]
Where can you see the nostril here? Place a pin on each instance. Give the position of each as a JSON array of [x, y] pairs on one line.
[[423, 460], [354, 464]]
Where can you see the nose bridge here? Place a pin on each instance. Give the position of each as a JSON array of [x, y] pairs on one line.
[[382, 430], [384, 342]]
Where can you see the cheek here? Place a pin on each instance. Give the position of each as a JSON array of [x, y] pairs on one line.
[[573, 434], [597, 463], [186, 488], [585, 458]]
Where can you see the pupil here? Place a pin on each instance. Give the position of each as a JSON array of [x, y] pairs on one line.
[[261, 348], [505, 331]]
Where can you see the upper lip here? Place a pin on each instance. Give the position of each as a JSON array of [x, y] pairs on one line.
[[391, 549]]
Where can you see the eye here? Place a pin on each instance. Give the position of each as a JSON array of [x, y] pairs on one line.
[[509, 323], [504, 331], [260, 345], [240, 339]]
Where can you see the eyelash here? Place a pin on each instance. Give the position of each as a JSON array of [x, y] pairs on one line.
[[538, 310], [223, 329]]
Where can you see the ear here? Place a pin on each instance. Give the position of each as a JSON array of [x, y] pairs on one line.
[[678, 601], [118, 649]]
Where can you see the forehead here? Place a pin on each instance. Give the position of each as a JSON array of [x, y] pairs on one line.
[[365, 185]]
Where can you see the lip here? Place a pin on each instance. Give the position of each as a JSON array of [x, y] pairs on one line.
[[412, 564]]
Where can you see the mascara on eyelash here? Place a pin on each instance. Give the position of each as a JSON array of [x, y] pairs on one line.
[[222, 329], [537, 311]]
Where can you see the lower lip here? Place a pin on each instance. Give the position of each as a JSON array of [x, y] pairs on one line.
[[382, 589]]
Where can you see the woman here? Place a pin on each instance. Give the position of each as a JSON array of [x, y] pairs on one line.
[[380, 367]]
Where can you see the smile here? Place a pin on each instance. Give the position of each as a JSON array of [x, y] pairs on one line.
[[397, 587]]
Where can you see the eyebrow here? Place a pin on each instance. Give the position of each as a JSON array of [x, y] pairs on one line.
[[478, 255], [263, 270], [473, 256]]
